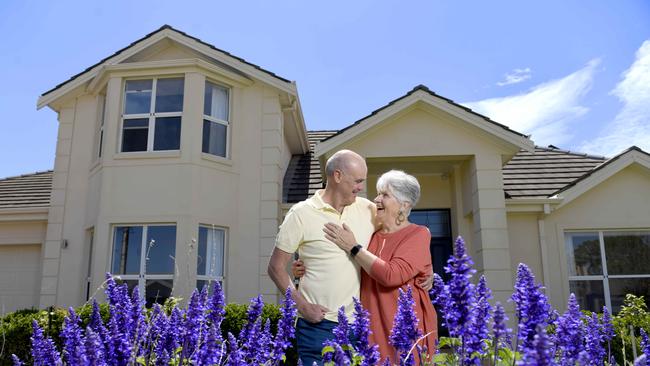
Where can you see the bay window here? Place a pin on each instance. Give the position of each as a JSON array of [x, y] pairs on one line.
[[604, 266], [143, 256], [216, 109], [210, 258], [151, 118]]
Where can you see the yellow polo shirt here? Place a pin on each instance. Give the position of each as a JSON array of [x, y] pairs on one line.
[[332, 277]]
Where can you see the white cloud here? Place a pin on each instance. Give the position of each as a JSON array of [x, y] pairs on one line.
[[631, 126], [516, 76], [546, 110]]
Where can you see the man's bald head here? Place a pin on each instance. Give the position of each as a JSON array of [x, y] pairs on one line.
[[342, 160]]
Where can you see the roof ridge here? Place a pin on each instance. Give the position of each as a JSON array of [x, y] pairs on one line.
[[554, 149], [148, 35], [27, 174]]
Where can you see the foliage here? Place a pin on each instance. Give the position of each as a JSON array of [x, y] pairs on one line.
[[209, 332]]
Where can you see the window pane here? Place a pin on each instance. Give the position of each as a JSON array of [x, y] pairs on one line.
[[157, 291], [130, 284], [436, 220], [210, 252], [167, 134], [138, 96], [627, 252], [169, 95], [590, 294], [161, 251], [127, 250], [619, 287], [134, 134], [202, 283], [214, 138], [583, 254], [215, 102]]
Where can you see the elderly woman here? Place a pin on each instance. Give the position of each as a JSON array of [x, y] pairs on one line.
[[398, 253]]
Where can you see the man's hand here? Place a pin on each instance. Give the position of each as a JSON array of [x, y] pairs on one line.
[[312, 313], [425, 282], [298, 268]]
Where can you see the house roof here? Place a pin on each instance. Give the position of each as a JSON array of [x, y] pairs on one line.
[[539, 174], [503, 131], [168, 28], [602, 172], [26, 191], [536, 174]]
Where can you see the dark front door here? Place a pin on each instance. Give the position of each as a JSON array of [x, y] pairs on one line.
[[439, 223]]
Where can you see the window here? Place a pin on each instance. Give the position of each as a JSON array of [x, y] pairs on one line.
[[604, 266], [151, 120], [143, 256], [215, 119], [210, 257]]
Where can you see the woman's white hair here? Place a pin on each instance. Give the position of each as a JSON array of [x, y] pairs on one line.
[[404, 187]]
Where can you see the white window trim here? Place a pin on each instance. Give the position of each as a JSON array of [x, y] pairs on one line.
[[101, 101], [603, 255], [208, 278], [218, 120], [142, 277], [151, 116]]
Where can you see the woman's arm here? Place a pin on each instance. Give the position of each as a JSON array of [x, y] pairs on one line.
[[409, 260]]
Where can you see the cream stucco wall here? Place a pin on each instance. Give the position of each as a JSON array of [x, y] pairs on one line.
[[187, 187], [620, 202]]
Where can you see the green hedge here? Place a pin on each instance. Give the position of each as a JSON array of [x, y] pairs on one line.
[[16, 327]]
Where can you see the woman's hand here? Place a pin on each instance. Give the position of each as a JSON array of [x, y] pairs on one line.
[[298, 268], [341, 236]]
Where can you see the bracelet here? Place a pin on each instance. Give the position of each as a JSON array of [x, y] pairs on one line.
[[355, 249]]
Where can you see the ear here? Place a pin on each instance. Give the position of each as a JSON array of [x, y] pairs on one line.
[[338, 176]]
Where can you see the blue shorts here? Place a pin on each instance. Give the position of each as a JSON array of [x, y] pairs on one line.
[[310, 338]]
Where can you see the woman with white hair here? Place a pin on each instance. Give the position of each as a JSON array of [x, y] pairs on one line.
[[398, 253]]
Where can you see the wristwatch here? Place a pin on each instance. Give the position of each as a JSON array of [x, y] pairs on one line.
[[355, 249]]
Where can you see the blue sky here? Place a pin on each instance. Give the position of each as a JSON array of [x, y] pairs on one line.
[[574, 74]]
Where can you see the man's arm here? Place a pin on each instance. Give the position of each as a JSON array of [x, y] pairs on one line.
[[277, 270]]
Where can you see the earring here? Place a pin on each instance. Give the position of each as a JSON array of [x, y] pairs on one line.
[[400, 218]]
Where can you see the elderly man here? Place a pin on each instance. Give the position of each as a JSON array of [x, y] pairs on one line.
[[332, 279]]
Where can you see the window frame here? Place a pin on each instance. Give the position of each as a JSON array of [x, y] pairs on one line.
[[225, 123], [604, 276], [142, 276], [102, 100], [151, 115], [208, 278]]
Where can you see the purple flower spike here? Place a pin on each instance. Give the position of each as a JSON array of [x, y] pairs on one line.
[[501, 332], [74, 350], [16, 361], [594, 341], [44, 352], [531, 307], [342, 329], [94, 349], [645, 346], [541, 352], [405, 326], [569, 335], [286, 331], [216, 305], [235, 356], [461, 292], [360, 333], [478, 330]]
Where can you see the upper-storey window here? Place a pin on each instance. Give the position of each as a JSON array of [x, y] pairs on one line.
[[216, 119], [151, 119]]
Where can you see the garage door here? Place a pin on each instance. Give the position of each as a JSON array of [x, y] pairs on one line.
[[19, 276]]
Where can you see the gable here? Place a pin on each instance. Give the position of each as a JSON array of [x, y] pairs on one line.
[[154, 44], [422, 131], [620, 199], [421, 97]]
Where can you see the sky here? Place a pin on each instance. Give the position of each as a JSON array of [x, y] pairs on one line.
[[570, 73]]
